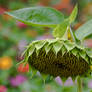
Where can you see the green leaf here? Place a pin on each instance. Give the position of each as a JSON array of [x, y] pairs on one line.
[[89, 52], [60, 30], [41, 16], [84, 30], [73, 14]]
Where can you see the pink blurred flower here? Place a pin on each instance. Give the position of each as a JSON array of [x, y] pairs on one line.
[[18, 80], [3, 88], [48, 36], [21, 47], [21, 25], [58, 80], [90, 84], [68, 82], [88, 43], [2, 10]]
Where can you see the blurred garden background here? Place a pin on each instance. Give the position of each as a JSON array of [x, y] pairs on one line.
[[15, 36]]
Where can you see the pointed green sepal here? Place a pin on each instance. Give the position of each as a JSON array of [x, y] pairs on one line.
[[48, 48], [69, 45], [57, 46], [31, 49], [64, 79], [50, 41], [26, 56], [37, 52], [40, 44], [73, 79], [34, 72], [44, 77], [87, 58], [82, 54], [75, 51], [64, 50]]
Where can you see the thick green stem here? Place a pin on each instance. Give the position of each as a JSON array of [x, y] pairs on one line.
[[79, 84]]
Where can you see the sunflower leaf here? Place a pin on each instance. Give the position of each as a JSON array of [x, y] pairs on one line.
[[89, 52], [73, 15], [60, 30], [41, 16], [84, 31]]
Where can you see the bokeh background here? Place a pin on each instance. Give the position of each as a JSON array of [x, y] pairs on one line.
[[15, 36]]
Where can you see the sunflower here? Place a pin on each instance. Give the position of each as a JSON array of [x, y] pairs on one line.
[[59, 57], [63, 56]]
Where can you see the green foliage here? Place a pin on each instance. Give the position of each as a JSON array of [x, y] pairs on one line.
[[73, 14], [42, 16], [61, 29], [84, 30]]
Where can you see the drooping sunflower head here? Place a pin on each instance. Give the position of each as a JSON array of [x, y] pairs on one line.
[[59, 57]]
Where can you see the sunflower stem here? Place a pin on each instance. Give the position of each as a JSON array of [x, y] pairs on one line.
[[79, 84]]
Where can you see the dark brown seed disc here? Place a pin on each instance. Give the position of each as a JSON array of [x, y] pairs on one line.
[[63, 66]]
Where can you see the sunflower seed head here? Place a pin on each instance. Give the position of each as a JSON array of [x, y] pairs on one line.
[[59, 57]]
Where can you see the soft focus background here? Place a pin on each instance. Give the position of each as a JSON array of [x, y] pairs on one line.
[[15, 36]]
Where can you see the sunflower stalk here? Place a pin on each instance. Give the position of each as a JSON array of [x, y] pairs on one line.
[[79, 84]]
